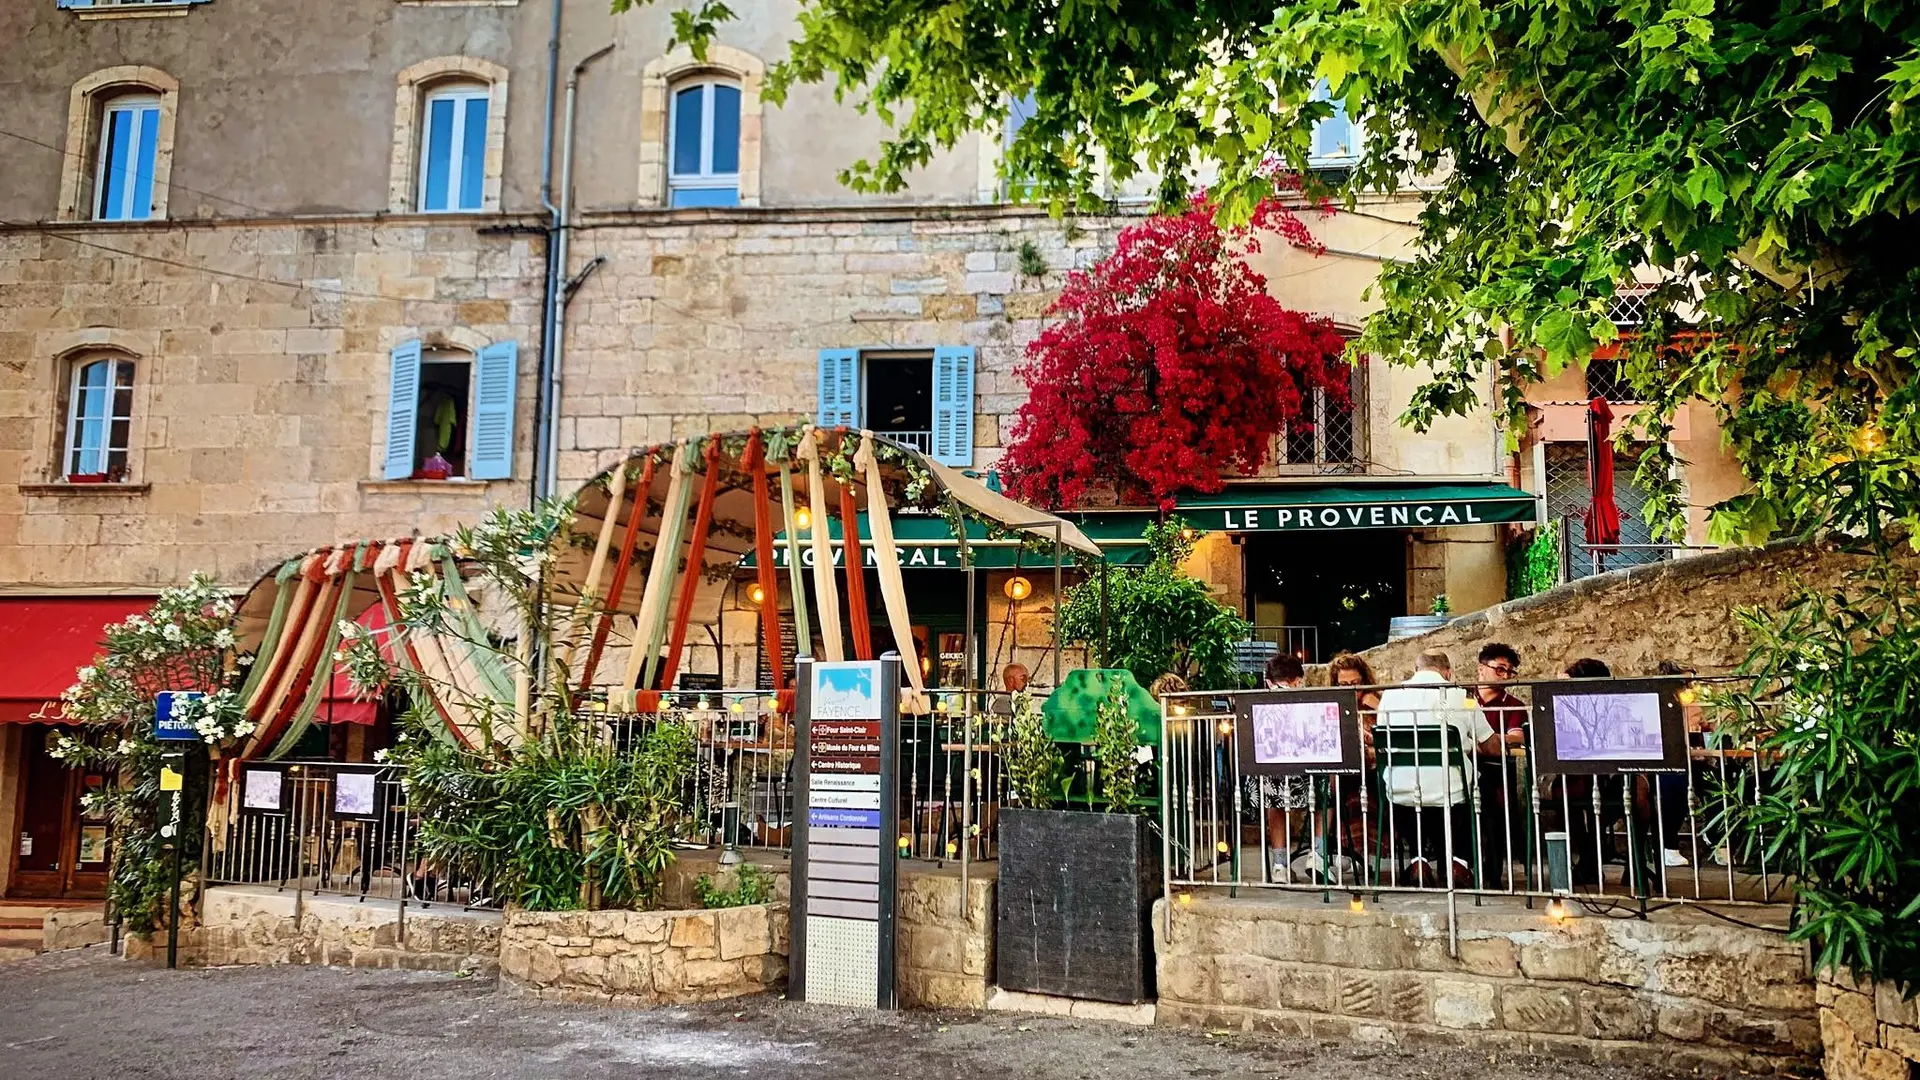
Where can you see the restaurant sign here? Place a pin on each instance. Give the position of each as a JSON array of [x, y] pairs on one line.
[[1398, 515]]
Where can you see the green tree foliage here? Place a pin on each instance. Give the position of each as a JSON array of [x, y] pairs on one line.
[[1755, 159], [1835, 678], [1159, 619], [1115, 746], [1036, 769], [1534, 566]]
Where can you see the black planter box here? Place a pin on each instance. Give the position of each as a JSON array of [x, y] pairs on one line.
[[1075, 904]]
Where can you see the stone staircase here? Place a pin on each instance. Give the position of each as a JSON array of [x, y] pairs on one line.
[[22, 925]]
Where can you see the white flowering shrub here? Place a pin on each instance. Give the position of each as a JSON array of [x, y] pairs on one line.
[[184, 642]]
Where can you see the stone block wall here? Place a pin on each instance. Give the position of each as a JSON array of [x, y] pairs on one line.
[[73, 928], [644, 957], [260, 408], [1869, 1031], [943, 940], [1632, 618], [1676, 995], [249, 925]]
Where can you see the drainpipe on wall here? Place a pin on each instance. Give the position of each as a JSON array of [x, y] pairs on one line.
[[562, 288], [543, 404]]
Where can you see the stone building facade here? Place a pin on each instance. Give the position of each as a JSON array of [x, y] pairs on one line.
[[310, 252]]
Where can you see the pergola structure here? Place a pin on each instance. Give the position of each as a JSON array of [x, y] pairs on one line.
[[708, 500]]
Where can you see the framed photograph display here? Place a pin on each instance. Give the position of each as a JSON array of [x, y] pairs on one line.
[[1606, 726], [356, 794], [263, 791], [1298, 732]]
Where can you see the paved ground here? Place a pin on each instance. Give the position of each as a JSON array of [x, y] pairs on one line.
[[84, 1015]]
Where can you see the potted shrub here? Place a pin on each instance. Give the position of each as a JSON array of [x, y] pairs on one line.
[[1077, 886]]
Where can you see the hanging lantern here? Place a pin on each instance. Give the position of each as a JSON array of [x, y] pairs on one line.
[[1018, 588], [803, 519], [755, 594]]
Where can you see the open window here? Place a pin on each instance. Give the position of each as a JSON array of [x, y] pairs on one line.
[[1336, 140], [921, 398], [98, 414], [119, 145], [450, 413], [704, 144]]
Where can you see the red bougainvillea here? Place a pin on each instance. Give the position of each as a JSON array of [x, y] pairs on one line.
[[1170, 366]]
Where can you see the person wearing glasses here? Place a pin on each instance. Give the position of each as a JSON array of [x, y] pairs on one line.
[[1503, 794]]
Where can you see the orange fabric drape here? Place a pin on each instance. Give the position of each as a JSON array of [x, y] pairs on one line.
[[636, 518], [856, 565], [391, 598], [763, 558], [696, 565]]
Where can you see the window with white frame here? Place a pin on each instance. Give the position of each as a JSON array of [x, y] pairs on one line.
[[453, 148], [1017, 188], [124, 161], [99, 421], [1335, 139], [450, 414], [703, 144]]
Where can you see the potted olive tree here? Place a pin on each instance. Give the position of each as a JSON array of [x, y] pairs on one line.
[[1079, 861]]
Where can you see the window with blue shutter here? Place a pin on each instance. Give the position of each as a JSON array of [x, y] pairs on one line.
[[953, 405], [839, 388], [403, 411], [496, 370]]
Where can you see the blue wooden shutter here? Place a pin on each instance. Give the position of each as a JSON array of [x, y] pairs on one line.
[[76, 3], [496, 370], [403, 410], [953, 405], [839, 388]]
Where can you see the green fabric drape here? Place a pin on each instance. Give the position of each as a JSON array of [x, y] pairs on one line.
[[276, 623], [323, 666]]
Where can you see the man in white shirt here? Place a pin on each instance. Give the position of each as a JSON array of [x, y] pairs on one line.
[[1423, 798]]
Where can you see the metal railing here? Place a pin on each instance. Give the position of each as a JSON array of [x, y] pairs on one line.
[[1302, 641], [1431, 810], [324, 838], [738, 794]]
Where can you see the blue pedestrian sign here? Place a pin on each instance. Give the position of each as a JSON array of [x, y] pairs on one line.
[[168, 723]]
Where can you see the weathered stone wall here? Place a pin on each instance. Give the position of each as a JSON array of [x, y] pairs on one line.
[[943, 943], [73, 928], [1676, 995], [1633, 618], [260, 410], [254, 925], [644, 957], [1870, 1031]]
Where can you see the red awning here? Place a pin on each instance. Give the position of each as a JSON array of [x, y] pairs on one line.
[[44, 642]]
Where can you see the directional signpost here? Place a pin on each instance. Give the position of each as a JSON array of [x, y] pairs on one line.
[[846, 814], [171, 725]]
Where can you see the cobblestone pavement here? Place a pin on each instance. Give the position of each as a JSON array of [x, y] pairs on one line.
[[83, 1014]]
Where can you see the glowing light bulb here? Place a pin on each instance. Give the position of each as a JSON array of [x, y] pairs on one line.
[[1356, 905], [756, 594], [1221, 847], [1018, 588], [1869, 439], [1186, 898], [1226, 727], [952, 849], [905, 843], [803, 519], [1557, 912]]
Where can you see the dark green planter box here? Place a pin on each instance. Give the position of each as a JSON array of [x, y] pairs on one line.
[[1075, 904]]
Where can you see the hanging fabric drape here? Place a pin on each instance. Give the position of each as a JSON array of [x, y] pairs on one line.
[[276, 710], [495, 680], [270, 641], [796, 579], [317, 678], [756, 465], [305, 585], [696, 565], [825, 590], [893, 588], [856, 563], [389, 574], [585, 605], [649, 623], [636, 517]]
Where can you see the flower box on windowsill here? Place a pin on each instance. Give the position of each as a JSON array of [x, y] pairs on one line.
[[70, 486], [416, 486]]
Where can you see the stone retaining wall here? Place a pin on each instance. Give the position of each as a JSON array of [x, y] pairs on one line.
[[1677, 995], [249, 925], [943, 948], [1869, 1031], [644, 957]]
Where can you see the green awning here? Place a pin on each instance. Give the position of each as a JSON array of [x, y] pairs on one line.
[[926, 542], [1324, 507]]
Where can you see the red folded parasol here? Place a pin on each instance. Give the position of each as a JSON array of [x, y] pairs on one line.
[[1603, 517]]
